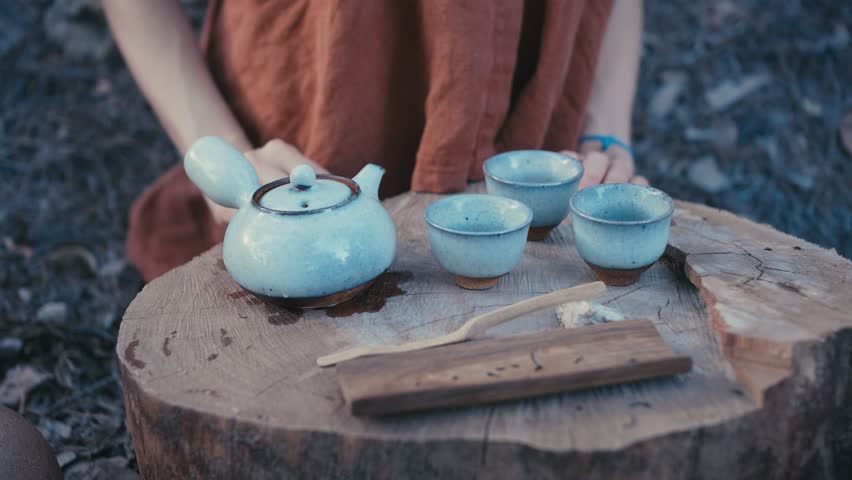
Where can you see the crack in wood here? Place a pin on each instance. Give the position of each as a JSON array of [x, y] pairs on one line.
[[790, 287], [478, 293], [686, 226], [486, 432], [693, 263], [622, 295], [535, 361], [715, 253], [761, 268], [463, 314], [759, 265], [780, 270], [270, 386]]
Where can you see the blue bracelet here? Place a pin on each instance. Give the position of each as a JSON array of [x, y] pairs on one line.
[[607, 141]]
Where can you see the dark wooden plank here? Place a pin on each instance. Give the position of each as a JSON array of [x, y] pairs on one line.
[[508, 368]]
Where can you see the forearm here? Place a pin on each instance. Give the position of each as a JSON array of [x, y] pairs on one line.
[[614, 87], [161, 50]]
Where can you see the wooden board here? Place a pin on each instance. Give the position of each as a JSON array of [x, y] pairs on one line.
[[499, 369], [220, 384]]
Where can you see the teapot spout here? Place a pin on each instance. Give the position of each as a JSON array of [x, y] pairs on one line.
[[369, 179], [222, 173]]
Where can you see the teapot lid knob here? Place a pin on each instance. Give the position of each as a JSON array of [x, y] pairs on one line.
[[303, 177]]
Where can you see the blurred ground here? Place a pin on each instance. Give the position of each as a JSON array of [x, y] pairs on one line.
[[739, 107]]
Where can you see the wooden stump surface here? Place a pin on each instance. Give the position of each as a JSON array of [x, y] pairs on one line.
[[221, 384]]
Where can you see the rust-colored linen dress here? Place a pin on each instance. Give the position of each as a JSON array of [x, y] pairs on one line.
[[429, 89]]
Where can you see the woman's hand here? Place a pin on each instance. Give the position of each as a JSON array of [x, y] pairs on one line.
[[611, 99], [277, 159], [272, 161], [615, 165]]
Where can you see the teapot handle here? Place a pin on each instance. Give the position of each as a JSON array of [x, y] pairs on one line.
[[222, 173]]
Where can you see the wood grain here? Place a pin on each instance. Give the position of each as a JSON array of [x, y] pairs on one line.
[[766, 291], [220, 384], [475, 326], [508, 368]]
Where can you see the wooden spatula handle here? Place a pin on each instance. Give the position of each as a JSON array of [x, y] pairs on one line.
[[478, 325], [475, 326]]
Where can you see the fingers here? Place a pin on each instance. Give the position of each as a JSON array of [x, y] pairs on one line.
[[220, 214], [590, 146], [289, 156], [277, 158], [639, 180], [595, 165], [620, 167], [613, 166]]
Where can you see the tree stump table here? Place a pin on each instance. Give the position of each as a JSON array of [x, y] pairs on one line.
[[220, 384]]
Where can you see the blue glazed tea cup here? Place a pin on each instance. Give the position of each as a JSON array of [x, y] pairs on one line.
[[541, 180], [477, 238], [620, 229]]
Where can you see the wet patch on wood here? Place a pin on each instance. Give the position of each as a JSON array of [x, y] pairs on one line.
[[130, 355], [374, 298], [238, 294], [224, 339], [282, 316], [166, 350], [275, 314]]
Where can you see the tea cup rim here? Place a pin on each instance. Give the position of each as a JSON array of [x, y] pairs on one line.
[[574, 178], [665, 196], [524, 224]]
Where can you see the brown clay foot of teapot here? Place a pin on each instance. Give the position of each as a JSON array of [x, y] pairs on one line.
[[318, 302]]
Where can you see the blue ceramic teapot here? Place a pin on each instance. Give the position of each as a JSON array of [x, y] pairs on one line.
[[308, 240]]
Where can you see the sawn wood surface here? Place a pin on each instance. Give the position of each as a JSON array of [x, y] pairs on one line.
[[219, 384]]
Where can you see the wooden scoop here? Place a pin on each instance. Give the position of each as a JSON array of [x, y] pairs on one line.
[[476, 325]]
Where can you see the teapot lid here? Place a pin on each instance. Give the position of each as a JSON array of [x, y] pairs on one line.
[[305, 192]]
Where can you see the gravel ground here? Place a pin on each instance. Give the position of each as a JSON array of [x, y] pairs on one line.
[[738, 107]]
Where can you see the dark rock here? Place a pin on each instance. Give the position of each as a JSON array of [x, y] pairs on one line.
[[79, 28], [729, 92], [70, 257], [19, 380], [52, 312], [665, 98], [114, 468], [16, 16], [10, 347], [706, 175]]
